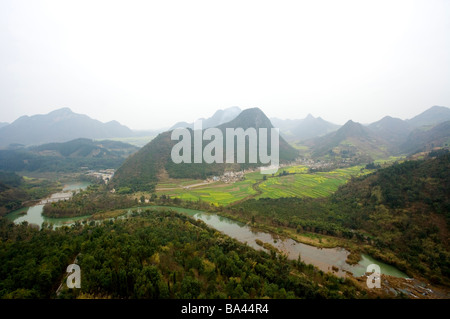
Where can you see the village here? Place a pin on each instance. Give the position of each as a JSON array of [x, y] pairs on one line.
[[228, 177], [232, 177], [104, 174]]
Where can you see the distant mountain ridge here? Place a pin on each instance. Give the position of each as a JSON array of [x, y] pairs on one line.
[[355, 143], [391, 134], [393, 130], [349, 141], [61, 125], [421, 140], [434, 115], [219, 117], [299, 130]]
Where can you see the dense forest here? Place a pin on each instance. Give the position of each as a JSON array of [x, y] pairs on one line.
[[154, 254], [402, 212]]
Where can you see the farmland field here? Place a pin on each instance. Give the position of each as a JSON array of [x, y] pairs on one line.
[[216, 193], [299, 183], [174, 183], [320, 184]]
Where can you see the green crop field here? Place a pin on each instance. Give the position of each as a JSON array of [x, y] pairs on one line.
[[217, 193], [295, 169], [299, 183], [320, 184]]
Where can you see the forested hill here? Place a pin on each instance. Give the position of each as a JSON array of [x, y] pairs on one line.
[[406, 209], [67, 157], [146, 167], [402, 211], [418, 187]]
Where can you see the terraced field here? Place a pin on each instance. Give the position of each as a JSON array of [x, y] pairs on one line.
[[299, 183], [320, 184]]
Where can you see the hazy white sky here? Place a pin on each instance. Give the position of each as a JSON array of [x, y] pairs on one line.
[[149, 64]]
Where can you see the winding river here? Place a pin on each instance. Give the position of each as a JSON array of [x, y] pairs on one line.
[[323, 258], [33, 214]]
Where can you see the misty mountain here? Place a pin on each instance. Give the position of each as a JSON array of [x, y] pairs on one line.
[[417, 133], [182, 125], [425, 139], [146, 133], [61, 125], [356, 143], [219, 117], [432, 116], [299, 130], [153, 162], [2, 124], [393, 130], [351, 142]]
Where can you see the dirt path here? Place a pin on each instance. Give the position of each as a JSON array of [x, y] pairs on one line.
[[183, 187]]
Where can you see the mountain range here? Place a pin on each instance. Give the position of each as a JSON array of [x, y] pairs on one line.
[[299, 130], [358, 143], [61, 125], [349, 141], [313, 137]]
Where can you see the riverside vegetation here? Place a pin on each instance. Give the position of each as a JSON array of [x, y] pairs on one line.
[[154, 254], [16, 191]]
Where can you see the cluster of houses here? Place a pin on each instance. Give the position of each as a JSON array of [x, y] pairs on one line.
[[228, 177], [314, 164], [104, 174]]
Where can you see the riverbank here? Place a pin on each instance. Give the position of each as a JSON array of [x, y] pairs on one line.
[[394, 283], [355, 248], [33, 214], [332, 260]]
